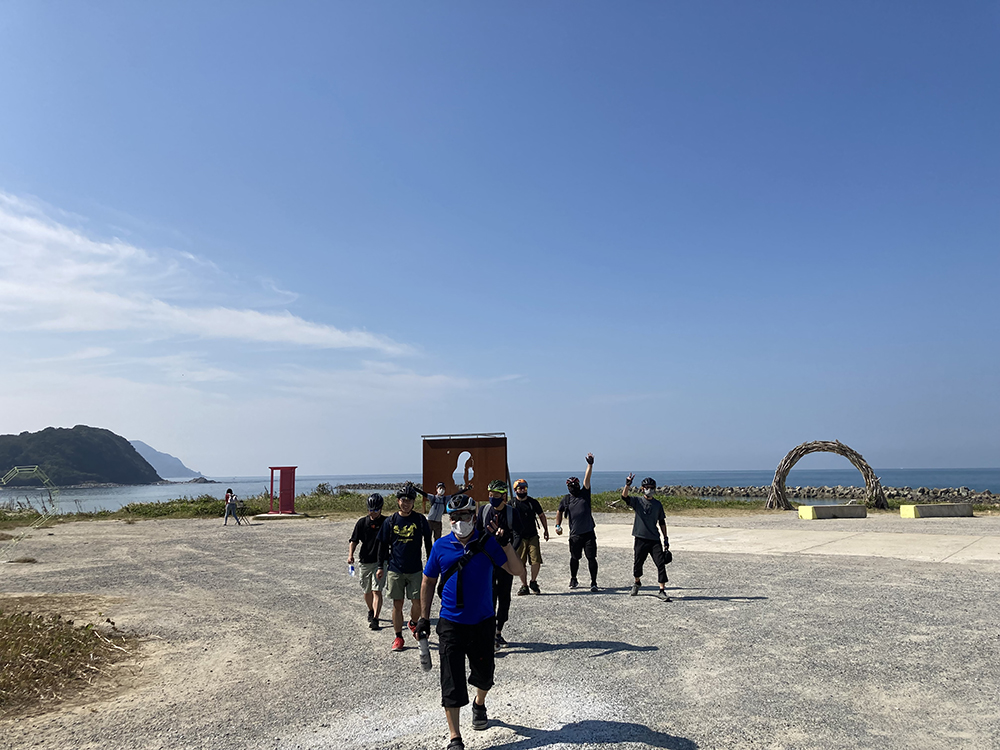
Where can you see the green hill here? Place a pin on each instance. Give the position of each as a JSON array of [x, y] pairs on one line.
[[77, 456]]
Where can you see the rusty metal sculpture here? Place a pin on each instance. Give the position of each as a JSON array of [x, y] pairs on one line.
[[778, 499], [478, 458]]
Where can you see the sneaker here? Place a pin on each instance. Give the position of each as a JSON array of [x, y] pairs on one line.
[[499, 642], [479, 718], [397, 643], [593, 588], [572, 583], [662, 596], [371, 616], [373, 624], [534, 587], [635, 589], [523, 590], [413, 628], [456, 744]]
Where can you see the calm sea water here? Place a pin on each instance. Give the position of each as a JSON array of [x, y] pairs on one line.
[[540, 484]]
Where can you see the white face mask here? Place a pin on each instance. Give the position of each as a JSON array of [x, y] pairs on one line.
[[647, 491], [462, 528]]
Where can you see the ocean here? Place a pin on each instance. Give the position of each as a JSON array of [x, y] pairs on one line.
[[540, 484]]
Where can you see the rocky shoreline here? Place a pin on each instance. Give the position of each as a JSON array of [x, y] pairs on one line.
[[902, 494], [370, 486]]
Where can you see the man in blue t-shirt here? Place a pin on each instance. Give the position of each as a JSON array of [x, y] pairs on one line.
[[464, 561]]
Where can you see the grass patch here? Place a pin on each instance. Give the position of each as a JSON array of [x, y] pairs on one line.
[[353, 504], [45, 657]]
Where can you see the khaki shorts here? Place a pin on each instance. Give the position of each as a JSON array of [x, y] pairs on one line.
[[531, 551], [403, 585], [369, 582]]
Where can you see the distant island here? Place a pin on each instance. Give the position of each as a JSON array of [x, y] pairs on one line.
[[164, 464], [81, 455]]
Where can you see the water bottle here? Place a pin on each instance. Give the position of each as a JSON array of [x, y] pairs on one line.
[[425, 653], [350, 569]]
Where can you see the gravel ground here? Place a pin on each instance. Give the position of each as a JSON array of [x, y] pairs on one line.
[[256, 638]]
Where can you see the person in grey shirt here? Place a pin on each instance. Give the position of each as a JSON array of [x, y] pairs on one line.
[[648, 516], [438, 502]]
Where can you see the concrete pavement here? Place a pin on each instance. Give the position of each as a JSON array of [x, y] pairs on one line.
[[812, 539]]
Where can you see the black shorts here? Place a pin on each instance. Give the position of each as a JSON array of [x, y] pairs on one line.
[[649, 547], [456, 642], [583, 544]]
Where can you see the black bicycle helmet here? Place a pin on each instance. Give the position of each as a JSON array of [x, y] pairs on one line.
[[408, 492], [375, 502], [573, 482], [498, 486], [460, 502], [649, 482]]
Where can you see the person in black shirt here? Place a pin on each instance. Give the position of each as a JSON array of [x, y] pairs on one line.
[[399, 546], [366, 532], [508, 531], [649, 522], [528, 509], [582, 539]]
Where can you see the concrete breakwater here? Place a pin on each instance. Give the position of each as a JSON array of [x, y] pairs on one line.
[[902, 494]]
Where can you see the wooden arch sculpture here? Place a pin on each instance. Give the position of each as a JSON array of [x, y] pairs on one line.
[[778, 499]]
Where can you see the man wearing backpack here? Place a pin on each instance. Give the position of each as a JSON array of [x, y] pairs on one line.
[[399, 545], [464, 561], [530, 550], [508, 529], [366, 532]]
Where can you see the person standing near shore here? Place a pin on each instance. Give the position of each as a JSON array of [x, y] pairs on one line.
[[582, 538], [464, 560], [230, 508], [366, 532], [528, 509], [399, 545], [648, 515]]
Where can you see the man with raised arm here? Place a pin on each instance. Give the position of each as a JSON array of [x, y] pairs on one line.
[[582, 539], [464, 561], [438, 502], [648, 515]]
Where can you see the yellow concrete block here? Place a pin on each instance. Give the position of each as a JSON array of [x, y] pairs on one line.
[[936, 510], [813, 512]]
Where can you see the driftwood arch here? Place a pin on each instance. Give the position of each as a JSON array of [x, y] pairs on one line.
[[778, 499]]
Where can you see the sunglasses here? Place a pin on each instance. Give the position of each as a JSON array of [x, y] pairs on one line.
[[461, 515]]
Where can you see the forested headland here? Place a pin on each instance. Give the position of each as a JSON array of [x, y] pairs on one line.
[[80, 455]]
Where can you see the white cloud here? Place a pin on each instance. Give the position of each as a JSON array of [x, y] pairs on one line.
[[54, 278]]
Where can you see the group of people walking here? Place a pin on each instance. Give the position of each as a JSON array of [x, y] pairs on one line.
[[473, 568]]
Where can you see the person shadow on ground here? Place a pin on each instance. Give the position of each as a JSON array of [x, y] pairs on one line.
[[593, 732], [605, 647]]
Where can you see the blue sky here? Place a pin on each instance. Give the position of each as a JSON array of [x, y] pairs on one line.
[[679, 235]]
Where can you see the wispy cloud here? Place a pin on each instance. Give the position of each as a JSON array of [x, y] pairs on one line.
[[55, 278], [614, 399]]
